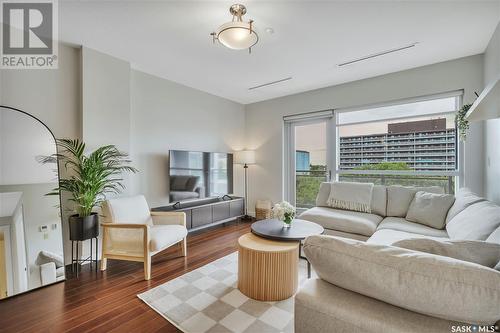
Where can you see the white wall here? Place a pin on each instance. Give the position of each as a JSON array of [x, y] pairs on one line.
[[105, 100], [53, 96], [492, 127], [18, 153], [106, 103], [264, 120], [166, 115]]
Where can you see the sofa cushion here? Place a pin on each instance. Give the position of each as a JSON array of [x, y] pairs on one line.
[[378, 204], [400, 197], [323, 194], [323, 307], [343, 220], [191, 183], [463, 199], [494, 237], [475, 222], [163, 236], [401, 224], [133, 209], [389, 236], [179, 182], [432, 285], [478, 252], [331, 232], [430, 209], [379, 200]]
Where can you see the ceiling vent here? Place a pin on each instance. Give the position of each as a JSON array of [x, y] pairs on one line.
[[374, 55], [270, 83]]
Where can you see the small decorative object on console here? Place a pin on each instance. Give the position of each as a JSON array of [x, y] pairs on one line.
[[285, 212]]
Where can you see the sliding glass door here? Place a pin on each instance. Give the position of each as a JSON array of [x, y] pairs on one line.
[[309, 158]]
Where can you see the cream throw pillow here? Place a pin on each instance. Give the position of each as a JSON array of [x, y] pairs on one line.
[[430, 209], [478, 252], [476, 222], [399, 198]]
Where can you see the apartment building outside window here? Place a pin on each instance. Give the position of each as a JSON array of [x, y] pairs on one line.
[[412, 143]]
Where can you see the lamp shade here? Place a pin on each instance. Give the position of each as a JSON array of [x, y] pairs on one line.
[[244, 157], [237, 35]]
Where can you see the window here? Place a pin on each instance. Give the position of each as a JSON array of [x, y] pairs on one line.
[[411, 143]]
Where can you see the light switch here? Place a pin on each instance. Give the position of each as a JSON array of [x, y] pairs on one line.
[[44, 228]]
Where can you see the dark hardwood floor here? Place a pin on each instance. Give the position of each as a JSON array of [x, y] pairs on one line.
[[107, 301]]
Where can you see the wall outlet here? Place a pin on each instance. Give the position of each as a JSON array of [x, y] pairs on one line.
[[54, 226]]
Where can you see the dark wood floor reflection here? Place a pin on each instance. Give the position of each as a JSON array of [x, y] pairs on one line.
[[107, 301]]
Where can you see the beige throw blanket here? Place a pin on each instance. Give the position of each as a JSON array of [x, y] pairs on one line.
[[351, 196]]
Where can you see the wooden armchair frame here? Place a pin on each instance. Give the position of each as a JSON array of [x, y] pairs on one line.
[[159, 218]]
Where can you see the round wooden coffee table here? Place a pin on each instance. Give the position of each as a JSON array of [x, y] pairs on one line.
[[267, 269]]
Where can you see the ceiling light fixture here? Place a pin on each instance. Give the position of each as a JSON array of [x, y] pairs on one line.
[[236, 35], [270, 83], [378, 54]]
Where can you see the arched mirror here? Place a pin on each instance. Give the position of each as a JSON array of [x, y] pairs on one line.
[[31, 244]]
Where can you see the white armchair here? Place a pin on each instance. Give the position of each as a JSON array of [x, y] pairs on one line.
[[132, 232]]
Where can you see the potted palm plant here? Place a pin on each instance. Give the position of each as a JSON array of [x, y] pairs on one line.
[[90, 178]]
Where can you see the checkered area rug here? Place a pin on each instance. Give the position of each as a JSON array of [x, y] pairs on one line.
[[207, 300]]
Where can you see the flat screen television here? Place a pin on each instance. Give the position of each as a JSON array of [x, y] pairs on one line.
[[196, 175]]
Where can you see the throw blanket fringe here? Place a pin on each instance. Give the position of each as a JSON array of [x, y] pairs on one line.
[[349, 205], [351, 196]]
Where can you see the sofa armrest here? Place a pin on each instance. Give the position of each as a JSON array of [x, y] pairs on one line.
[[433, 285], [48, 273], [169, 218], [126, 239]]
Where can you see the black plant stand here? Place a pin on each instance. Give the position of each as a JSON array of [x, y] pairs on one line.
[[76, 260]]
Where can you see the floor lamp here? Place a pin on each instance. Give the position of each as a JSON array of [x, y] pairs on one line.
[[245, 157]]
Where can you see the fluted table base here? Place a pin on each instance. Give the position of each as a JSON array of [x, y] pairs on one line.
[[267, 270]]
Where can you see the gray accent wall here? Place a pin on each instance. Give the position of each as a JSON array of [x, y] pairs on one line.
[[492, 127]]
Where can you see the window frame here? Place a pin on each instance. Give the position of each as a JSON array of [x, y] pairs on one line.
[[288, 166]]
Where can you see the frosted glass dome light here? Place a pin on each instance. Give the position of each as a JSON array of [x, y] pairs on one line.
[[236, 35]]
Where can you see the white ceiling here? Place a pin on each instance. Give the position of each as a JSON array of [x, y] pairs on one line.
[[171, 39]]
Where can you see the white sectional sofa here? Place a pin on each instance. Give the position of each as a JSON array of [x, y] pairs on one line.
[[368, 284]]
